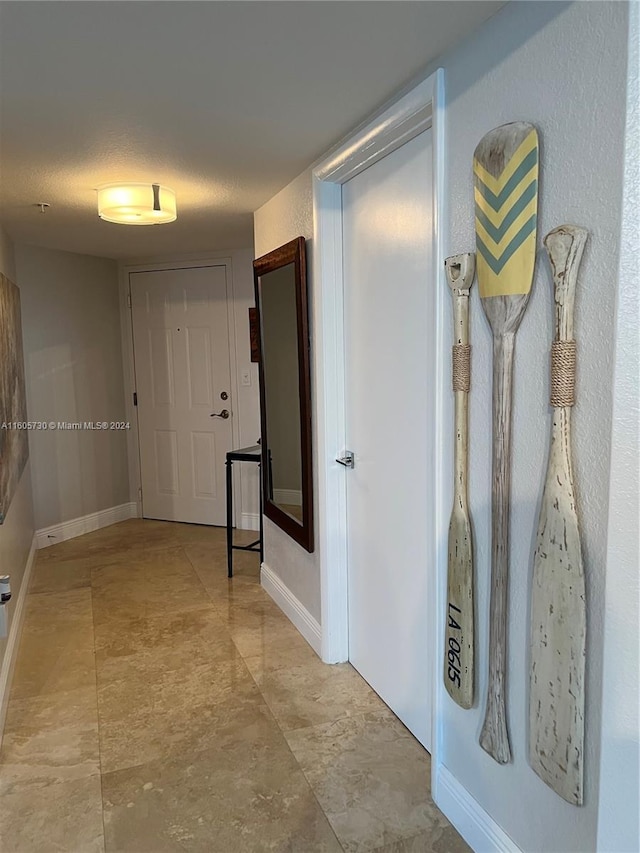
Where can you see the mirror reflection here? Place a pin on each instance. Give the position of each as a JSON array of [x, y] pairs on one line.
[[281, 389], [285, 395]]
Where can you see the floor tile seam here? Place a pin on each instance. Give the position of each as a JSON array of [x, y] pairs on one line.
[[102, 818], [100, 757], [130, 556], [341, 718], [243, 656], [113, 663], [403, 838], [191, 563], [56, 592], [183, 551], [200, 580], [273, 714], [46, 694], [328, 817], [185, 757], [295, 759], [28, 791], [127, 555], [321, 725], [279, 668], [297, 763], [95, 684], [311, 785], [205, 703], [121, 621], [104, 660]]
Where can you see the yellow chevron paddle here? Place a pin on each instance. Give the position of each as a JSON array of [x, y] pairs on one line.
[[505, 167]]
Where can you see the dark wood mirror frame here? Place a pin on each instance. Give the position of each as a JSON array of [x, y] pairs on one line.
[[290, 253]]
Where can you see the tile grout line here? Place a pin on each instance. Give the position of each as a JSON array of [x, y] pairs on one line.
[[274, 717], [95, 669], [298, 765]]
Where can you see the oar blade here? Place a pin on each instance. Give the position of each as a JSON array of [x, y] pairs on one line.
[[458, 650], [558, 632], [505, 173]]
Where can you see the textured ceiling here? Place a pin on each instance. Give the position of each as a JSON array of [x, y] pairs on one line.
[[225, 102]]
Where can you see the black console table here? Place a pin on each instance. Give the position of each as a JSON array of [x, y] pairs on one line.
[[243, 454]]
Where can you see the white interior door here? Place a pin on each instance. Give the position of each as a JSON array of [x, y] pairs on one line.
[[181, 345], [389, 385]]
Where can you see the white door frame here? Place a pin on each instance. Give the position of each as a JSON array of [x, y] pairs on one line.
[[128, 360], [420, 109]]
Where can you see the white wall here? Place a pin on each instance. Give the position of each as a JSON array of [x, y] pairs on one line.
[[619, 816], [16, 534], [73, 367], [562, 67], [287, 215]]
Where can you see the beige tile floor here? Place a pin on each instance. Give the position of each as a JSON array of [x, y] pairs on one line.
[[156, 706]]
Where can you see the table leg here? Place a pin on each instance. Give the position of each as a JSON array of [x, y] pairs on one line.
[[261, 525], [229, 519]]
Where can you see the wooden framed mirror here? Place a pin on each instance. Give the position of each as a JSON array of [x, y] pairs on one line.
[[285, 390]]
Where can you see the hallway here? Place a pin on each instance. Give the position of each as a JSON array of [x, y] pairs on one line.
[[156, 706]]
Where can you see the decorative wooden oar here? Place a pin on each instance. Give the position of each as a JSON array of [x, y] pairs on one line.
[[505, 166], [558, 610], [459, 646]]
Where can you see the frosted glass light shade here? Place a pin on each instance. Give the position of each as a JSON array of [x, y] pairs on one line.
[[136, 204]]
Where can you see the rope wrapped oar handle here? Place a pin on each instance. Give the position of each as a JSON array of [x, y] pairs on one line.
[[563, 373], [461, 367]]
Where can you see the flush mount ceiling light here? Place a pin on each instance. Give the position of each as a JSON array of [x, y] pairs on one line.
[[136, 204]]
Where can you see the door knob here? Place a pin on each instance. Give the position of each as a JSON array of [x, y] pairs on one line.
[[224, 414]]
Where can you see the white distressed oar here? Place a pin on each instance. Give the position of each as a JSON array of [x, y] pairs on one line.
[[505, 166], [558, 610], [459, 632]]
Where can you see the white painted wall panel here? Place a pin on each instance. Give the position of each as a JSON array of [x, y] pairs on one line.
[[561, 66], [289, 214], [73, 367]]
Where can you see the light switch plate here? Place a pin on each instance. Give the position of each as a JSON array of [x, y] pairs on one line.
[[245, 377]]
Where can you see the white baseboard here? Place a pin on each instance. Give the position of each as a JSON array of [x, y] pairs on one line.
[[249, 521], [292, 608], [292, 497], [473, 823], [86, 524], [13, 638]]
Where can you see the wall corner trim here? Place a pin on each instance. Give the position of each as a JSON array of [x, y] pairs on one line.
[[308, 626], [13, 640], [475, 825], [85, 524]]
